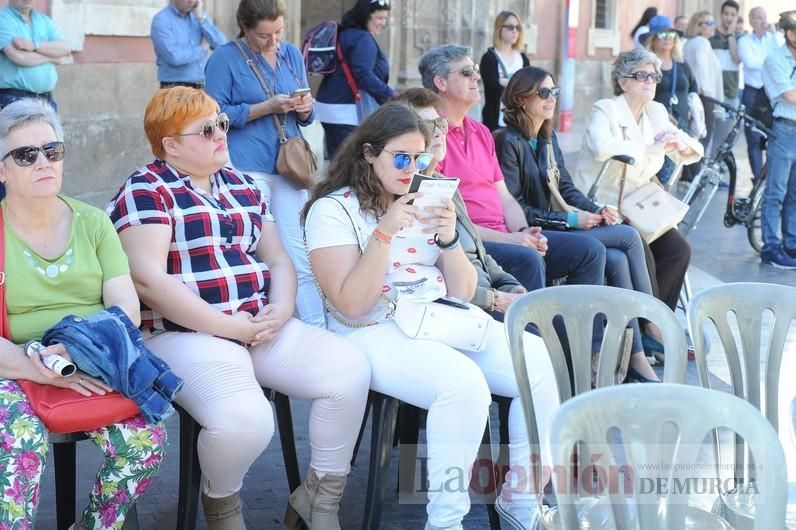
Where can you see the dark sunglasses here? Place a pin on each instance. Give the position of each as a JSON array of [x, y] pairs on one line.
[[209, 127], [666, 35], [401, 160], [512, 27], [469, 70], [645, 77], [437, 124], [28, 154], [547, 93]]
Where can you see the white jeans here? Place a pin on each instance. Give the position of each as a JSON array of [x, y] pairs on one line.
[[285, 202], [222, 391], [454, 386]]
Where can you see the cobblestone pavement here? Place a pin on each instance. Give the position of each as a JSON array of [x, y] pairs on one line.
[[720, 255]]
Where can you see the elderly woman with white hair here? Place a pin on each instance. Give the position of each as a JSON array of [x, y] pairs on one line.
[[631, 123], [62, 257]]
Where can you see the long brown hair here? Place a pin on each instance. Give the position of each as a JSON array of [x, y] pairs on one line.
[[501, 19], [523, 84], [252, 12], [349, 166]]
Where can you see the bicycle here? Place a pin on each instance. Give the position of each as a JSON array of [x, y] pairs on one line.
[[739, 210]]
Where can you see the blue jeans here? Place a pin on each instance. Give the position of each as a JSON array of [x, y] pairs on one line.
[[754, 145], [779, 199], [7, 99]]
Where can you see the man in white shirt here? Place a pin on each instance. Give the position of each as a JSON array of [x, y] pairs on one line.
[[753, 50]]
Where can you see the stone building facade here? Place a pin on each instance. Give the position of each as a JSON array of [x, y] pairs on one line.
[[103, 90]]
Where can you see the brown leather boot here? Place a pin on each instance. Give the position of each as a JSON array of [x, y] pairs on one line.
[[315, 503], [224, 513]]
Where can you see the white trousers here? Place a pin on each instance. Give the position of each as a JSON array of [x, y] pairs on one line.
[[222, 391], [285, 201], [455, 386]]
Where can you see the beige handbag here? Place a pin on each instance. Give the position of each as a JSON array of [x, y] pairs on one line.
[[650, 209], [557, 202], [295, 160]]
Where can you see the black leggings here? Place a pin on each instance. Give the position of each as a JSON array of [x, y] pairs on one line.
[[667, 260]]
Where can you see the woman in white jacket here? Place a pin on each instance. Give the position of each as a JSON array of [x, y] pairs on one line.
[[631, 123], [704, 64]]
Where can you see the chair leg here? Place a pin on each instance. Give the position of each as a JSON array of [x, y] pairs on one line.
[[408, 435], [361, 431], [485, 455], [65, 476], [284, 420], [190, 472], [385, 412]]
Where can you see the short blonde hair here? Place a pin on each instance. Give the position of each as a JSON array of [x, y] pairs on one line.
[[170, 110], [693, 24], [501, 19]]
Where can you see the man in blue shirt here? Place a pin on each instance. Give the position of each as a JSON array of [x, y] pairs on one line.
[[177, 33], [779, 200], [31, 47]]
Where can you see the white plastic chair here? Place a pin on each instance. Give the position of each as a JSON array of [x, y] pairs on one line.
[[661, 427], [747, 301], [577, 305]]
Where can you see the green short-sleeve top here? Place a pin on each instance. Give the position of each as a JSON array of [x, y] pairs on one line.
[[40, 292]]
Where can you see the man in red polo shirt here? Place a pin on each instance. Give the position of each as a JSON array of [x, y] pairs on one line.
[[521, 250]]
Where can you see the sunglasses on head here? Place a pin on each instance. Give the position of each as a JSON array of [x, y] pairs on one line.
[[547, 93], [437, 124], [209, 127], [645, 77], [666, 35], [512, 27], [402, 159], [469, 71], [28, 154]]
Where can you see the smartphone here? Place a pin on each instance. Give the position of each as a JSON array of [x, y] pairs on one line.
[[300, 92], [452, 302]]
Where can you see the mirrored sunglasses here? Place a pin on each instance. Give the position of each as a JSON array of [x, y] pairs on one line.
[[645, 77], [437, 124], [666, 35], [469, 70], [547, 93], [708, 23], [512, 27], [401, 160], [209, 127], [28, 154]]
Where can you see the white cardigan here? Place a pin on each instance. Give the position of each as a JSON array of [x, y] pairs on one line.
[[612, 130], [705, 66]]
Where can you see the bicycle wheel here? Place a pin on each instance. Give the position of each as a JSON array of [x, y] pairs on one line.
[[698, 205], [754, 229]]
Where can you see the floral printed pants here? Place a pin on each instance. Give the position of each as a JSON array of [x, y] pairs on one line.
[[133, 452]]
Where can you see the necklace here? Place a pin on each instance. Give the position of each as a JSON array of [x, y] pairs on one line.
[[49, 268]]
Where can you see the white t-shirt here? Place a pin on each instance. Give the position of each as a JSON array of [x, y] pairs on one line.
[[411, 271], [639, 32], [512, 67]]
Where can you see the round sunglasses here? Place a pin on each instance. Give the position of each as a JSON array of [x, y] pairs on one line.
[[28, 154], [402, 159], [547, 93], [645, 77], [209, 127]]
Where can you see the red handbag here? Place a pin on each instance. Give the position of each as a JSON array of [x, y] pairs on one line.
[[62, 409]]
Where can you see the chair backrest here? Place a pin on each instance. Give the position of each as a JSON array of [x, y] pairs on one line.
[[747, 301], [662, 428]]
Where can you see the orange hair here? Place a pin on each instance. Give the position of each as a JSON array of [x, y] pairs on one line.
[[170, 110]]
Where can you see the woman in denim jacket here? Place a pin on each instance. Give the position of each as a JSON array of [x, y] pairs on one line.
[[62, 257]]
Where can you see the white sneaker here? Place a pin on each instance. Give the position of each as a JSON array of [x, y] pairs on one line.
[[430, 526], [520, 515]]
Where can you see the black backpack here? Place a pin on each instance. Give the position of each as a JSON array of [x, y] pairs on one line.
[[762, 108]]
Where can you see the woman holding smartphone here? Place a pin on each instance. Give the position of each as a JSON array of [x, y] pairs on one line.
[[232, 80]]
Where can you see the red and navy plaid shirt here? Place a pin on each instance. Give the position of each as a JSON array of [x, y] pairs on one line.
[[214, 235]]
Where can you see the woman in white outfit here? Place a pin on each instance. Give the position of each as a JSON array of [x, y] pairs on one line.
[[363, 257]]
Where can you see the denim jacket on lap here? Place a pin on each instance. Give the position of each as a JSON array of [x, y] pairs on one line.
[[107, 345]]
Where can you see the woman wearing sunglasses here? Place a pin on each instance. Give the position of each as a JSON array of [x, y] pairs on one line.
[[337, 109], [631, 123], [232, 80], [62, 257], [218, 291], [523, 149], [499, 63], [363, 260]]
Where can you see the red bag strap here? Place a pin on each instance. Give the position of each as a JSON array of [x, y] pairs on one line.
[[5, 330], [352, 84]]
